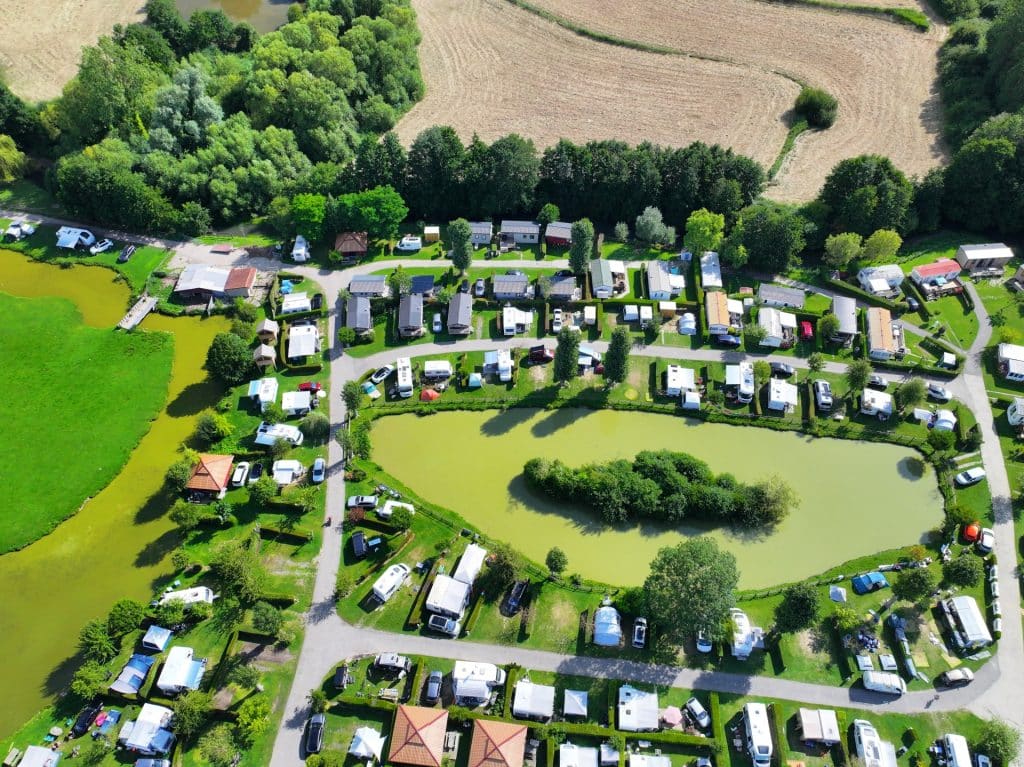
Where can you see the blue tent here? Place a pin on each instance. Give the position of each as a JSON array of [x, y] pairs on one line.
[[156, 638], [873, 581], [475, 381], [133, 675]]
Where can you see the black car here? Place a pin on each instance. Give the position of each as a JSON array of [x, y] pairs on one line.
[[317, 301], [782, 369], [315, 734], [564, 273], [127, 253], [464, 286], [433, 690], [727, 340], [255, 472], [913, 303], [515, 597], [359, 547], [85, 718]]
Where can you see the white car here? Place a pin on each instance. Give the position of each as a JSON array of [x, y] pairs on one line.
[[699, 713], [240, 474], [970, 477], [436, 325], [410, 242], [704, 643], [382, 374], [319, 471], [823, 394], [479, 287], [556, 321], [101, 247], [939, 393], [987, 540]]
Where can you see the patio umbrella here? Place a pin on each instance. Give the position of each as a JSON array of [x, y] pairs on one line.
[[429, 395], [672, 716]]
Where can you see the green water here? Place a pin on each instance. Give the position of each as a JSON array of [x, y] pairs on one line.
[[856, 497], [116, 546], [265, 15]]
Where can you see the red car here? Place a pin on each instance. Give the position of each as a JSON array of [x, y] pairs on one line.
[[806, 331], [972, 532], [310, 386]]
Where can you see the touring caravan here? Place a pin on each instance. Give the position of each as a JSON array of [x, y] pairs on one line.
[[390, 582], [403, 377], [437, 370], [759, 737]]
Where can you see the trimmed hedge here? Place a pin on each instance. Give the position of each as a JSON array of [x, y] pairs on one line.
[[909, 286], [780, 754], [512, 672], [717, 723], [412, 620], [474, 615]]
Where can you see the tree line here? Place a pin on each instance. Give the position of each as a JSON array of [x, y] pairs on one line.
[[663, 485]]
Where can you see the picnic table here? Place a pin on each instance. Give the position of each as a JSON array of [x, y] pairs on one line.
[[388, 693]]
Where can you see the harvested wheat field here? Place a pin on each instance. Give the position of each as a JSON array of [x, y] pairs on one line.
[[44, 40], [494, 69], [883, 73]]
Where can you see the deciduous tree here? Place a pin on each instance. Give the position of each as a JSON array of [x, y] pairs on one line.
[[95, 643], [704, 231], [910, 394], [191, 712], [841, 249], [798, 608], [460, 232], [582, 245], [616, 360], [229, 359], [858, 373], [882, 245], [1000, 741], [828, 326], [567, 354], [126, 615], [964, 571], [914, 584], [556, 561]]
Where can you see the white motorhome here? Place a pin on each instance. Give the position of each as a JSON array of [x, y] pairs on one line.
[[390, 582], [884, 681], [871, 749], [300, 251], [957, 752], [437, 369], [741, 377], [269, 433], [482, 672], [403, 377], [759, 737]]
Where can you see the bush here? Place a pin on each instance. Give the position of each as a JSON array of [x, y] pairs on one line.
[[266, 618], [816, 106], [212, 427], [346, 336], [316, 425], [798, 608], [964, 571], [180, 472], [126, 615]]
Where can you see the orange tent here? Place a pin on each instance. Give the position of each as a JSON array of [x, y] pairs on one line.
[[429, 395]]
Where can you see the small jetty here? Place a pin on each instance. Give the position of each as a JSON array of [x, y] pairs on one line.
[[138, 313]]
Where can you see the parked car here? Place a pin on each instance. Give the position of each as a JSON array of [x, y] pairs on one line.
[[699, 713], [444, 625], [479, 288], [725, 339], [556, 321], [913, 303], [319, 471], [970, 477], [381, 373], [464, 286], [85, 718], [877, 382], [123, 258], [986, 542], [515, 272], [362, 501], [939, 393], [410, 243], [393, 662], [823, 394], [101, 247], [240, 474], [639, 633], [956, 677], [541, 354], [315, 734], [433, 690], [311, 386], [255, 472], [359, 547], [515, 597], [782, 369], [436, 326], [564, 273], [704, 643]]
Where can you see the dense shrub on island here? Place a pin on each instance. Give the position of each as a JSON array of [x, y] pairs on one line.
[[666, 486]]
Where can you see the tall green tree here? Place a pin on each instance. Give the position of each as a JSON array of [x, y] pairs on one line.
[[696, 566], [1000, 741], [582, 246], [191, 712], [567, 354], [866, 193], [434, 168], [556, 561], [616, 360], [841, 249], [858, 373], [352, 395], [95, 643], [771, 236], [460, 232], [882, 245], [125, 616], [915, 584], [229, 359], [704, 231], [548, 213], [308, 213], [910, 394], [798, 608]]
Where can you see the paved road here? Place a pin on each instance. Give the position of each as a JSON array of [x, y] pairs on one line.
[[328, 639]]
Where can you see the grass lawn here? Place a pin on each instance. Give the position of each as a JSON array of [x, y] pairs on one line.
[[111, 385], [25, 195]]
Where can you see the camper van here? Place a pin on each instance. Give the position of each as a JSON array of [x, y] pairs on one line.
[[884, 681], [759, 737], [957, 753], [403, 377], [390, 582], [437, 370], [742, 377], [269, 433]]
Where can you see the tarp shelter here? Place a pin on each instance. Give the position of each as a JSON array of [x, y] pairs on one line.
[[70, 238], [575, 703], [133, 675], [571, 755], [181, 671], [418, 736], [470, 690], [367, 743], [497, 744], [607, 627], [687, 324], [862, 584], [638, 709], [535, 701], [672, 715], [156, 638], [837, 594], [39, 756], [819, 726], [429, 395], [475, 381], [470, 563], [448, 596]]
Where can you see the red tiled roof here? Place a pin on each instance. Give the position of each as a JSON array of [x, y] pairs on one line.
[[418, 736], [942, 266], [351, 242], [497, 744], [240, 277], [212, 473]]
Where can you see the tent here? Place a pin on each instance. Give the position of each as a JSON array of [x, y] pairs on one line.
[[429, 395], [819, 726], [575, 703], [691, 401], [367, 743], [944, 421], [837, 594], [475, 381], [470, 563], [133, 675], [607, 627], [156, 638], [533, 700], [872, 581], [672, 716]]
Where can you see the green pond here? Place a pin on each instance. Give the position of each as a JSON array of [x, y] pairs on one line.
[[117, 544], [264, 15], [856, 497]]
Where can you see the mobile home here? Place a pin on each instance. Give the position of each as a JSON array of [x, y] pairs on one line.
[[387, 585]]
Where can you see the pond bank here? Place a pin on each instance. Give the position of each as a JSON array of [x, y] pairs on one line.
[[856, 497]]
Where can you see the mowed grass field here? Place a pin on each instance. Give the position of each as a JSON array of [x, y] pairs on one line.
[[77, 400]]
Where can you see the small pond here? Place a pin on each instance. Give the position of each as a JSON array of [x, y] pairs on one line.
[[856, 497], [264, 15], [117, 544]]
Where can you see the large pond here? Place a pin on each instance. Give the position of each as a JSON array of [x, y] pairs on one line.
[[856, 497], [117, 545], [265, 15]]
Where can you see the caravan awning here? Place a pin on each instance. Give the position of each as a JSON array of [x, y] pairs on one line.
[[68, 239]]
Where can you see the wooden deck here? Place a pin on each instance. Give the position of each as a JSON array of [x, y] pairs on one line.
[[138, 313]]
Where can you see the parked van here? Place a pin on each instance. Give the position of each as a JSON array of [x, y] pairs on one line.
[[437, 370], [390, 582], [884, 681], [759, 737], [269, 433], [403, 377], [957, 752]]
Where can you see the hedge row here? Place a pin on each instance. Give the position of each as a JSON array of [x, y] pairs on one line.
[[474, 615], [512, 672], [412, 620], [717, 722], [780, 755], [910, 287]]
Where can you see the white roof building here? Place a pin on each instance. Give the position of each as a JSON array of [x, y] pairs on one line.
[[470, 563], [574, 703], [296, 402], [662, 283], [286, 471], [977, 258], [367, 743], [648, 760], [571, 755], [876, 403], [293, 303], [263, 391], [819, 726], [710, 270], [638, 709], [533, 701], [150, 733], [882, 279], [210, 279], [303, 341], [39, 756], [181, 671], [448, 596], [678, 380]]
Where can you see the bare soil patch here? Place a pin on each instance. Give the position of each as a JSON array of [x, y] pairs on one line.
[[883, 73], [42, 47], [264, 655], [494, 69]]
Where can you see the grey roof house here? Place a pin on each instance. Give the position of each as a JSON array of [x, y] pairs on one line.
[[564, 289], [460, 314], [511, 286], [410, 316], [357, 314], [481, 232], [780, 296], [423, 284], [369, 286]]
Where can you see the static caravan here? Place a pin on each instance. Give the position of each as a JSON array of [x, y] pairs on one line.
[[437, 370], [403, 377], [269, 433], [966, 623], [741, 377], [481, 232], [300, 251], [181, 671], [390, 582], [448, 597], [679, 380], [470, 563], [759, 737]]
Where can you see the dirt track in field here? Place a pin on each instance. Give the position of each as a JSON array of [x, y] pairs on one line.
[[493, 69], [882, 72], [42, 45]]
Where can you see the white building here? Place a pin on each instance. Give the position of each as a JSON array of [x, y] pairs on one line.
[[966, 623], [819, 726], [638, 710], [607, 627], [1015, 412], [533, 701], [515, 321], [521, 232], [1011, 361], [296, 402], [571, 755], [303, 341], [662, 283], [481, 232], [150, 733], [181, 671], [782, 396], [881, 338], [470, 564], [295, 303], [710, 270], [190, 596], [990, 257]]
